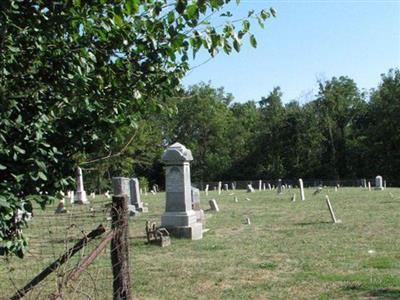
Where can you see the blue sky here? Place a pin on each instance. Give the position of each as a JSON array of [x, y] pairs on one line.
[[308, 40]]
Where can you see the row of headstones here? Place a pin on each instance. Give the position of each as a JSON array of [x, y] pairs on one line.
[[262, 186], [380, 184]]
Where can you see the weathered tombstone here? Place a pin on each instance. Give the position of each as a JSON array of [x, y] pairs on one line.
[[264, 187], [294, 198], [233, 186], [260, 185], [80, 197], [206, 190], [250, 189], [384, 184], [134, 195], [236, 199], [226, 187], [269, 186], [179, 217], [196, 205], [61, 207], [301, 185], [121, 186], [369, 185], [364, 183], [279, 191], [71, 197], [219, 187], [378, 183], [92, 195], [336, 189], [318, 190], [328, 203], [247, 221], [213, 205]]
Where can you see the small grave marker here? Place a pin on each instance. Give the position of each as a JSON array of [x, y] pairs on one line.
[[301, 189], [328, 203], [213, 205]]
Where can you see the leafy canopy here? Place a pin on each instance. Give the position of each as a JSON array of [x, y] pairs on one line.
[[73, 72]]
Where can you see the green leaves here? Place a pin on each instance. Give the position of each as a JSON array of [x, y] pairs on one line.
[[74, 74], [253, 41], [132, 6]]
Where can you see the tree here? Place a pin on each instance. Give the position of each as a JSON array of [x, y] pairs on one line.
[[383, 133], [201, 123], [337, 105], [73, 72]]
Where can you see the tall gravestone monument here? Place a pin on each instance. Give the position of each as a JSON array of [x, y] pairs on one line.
[[179, 217], [80, 196]]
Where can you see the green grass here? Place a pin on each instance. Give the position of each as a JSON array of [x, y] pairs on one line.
[[291, 250]]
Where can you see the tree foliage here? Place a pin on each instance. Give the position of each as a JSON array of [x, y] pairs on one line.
[[73, 73]]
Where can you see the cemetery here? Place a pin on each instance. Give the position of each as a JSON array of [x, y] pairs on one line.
[[173, 149], [224, 244]]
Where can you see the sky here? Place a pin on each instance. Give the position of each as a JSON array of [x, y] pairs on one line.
[[309, 40]]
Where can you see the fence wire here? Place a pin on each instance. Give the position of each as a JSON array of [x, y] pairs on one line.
[[51, 235]]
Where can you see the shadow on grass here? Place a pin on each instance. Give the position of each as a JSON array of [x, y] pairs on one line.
[[313, 223], [383, 294]]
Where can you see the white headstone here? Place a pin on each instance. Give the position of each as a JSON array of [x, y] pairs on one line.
[[71, 196], [378, 183], [250, 189], [269, 186], [260, 185], [369, 185], [226, 187], [80, 196], [301, 185], [219, 187], [206, 190], [328, 203]]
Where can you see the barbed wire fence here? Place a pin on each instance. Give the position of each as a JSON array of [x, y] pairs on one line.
[[79, 254]]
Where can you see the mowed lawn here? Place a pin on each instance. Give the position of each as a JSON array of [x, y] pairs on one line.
[[291, 250]]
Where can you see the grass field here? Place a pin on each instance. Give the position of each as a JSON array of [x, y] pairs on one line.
[[291, 250]]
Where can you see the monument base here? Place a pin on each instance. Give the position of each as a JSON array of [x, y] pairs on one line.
[[200, 217], [178, 218], [192, 232], [132, 211], [80, 198], [142, 209]]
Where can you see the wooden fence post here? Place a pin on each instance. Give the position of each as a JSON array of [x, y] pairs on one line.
[[119, 248]]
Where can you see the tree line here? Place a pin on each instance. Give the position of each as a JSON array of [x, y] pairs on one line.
[[342, 133]]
